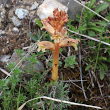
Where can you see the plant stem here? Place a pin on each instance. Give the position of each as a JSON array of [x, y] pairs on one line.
[[55, 62]]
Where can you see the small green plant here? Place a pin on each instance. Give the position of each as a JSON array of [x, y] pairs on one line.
[[17, 89], [8, 88], [39, 23], [70, 62], [97, 59]]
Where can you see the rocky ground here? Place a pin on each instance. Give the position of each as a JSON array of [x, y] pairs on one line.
[[17, 18]]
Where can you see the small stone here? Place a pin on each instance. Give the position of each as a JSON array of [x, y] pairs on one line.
[[16, 21], [3, 11], [21, 13], [5, 1], [5, 50], [2, 32], [101, 1], [48, 6], [34, 6], [40, 1], [5, 58], [15, 30], [11, 13]]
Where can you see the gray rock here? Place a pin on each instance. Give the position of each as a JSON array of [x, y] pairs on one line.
[[73, 8], [3, 11], [11, 13], [15, 58], [2, 32], [34, 6], [48, 6], [5, 1], [16, 21], [15, 30], [21, 13], [37, 66], [99, 0], [5, 58]]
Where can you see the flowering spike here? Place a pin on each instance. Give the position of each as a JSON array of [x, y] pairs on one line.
[[45, 45], [55, 26], [69, 42]]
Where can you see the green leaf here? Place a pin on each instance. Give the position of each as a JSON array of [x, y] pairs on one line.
[[92, 24], [60, 63], [92, 2], [11, 65], [77, 15], [101, 7], [85, 58], [107, 0], [105, 67], [91, 43], [70, 62], [98, 29], [91, 33], [108, 59], [61, 49], [19, 51], [69, 22], [108, 16], [101, 73], [82, 28], [102, 58], [88, 67], [39, 23], [33, 37], [38, 34], [102, 23]]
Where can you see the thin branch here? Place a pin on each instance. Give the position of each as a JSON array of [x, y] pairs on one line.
[[5, 72], [76, 85], [88, 37], [57, 100], [80, 68], [92, 11], [72, 80], [91, 79]]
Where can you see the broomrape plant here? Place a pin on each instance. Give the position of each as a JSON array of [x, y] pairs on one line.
[[55, 26]]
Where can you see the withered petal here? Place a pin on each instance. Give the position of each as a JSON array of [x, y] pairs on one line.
[[48, 27], [69, 42], [45, 45]]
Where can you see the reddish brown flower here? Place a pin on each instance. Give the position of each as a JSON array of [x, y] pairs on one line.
[[55, 26]]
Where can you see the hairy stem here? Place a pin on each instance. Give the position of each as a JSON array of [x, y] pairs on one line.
[[55, 62]]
